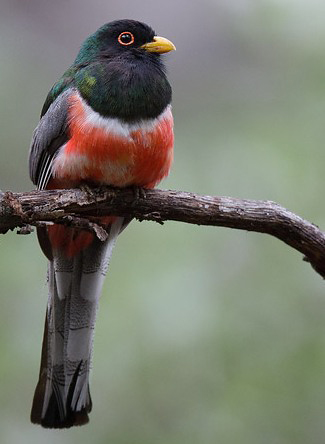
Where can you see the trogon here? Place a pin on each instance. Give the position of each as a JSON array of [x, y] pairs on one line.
[[108, 121]]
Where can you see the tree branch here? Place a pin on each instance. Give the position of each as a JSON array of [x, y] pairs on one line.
[[80, 208]]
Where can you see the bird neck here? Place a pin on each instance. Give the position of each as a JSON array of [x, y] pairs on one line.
[[130, 88]]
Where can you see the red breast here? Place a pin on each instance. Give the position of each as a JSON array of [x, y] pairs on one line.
[[112, 152], [108, 151]]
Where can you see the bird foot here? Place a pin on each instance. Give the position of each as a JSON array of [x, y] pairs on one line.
[[138, 193], [89, 191]]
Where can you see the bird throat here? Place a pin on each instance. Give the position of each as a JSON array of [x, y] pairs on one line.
[[128, 88]]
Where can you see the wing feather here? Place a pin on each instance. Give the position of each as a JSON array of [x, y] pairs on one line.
[[49, 136]]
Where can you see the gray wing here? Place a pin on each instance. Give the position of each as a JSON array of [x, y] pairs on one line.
[[49, 135]]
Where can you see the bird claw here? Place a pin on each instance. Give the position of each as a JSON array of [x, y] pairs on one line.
[[138, 193], [89, 191]]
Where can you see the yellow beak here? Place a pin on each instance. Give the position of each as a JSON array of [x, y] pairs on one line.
[[159, 45]]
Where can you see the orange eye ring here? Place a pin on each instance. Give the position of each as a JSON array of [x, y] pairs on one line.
[[126, 38]]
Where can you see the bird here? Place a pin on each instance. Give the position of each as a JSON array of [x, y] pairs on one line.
[[106, 121]]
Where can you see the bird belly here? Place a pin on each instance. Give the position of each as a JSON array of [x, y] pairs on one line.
[[110, 151]]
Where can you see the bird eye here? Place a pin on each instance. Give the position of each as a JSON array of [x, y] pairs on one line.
[[126, 38]]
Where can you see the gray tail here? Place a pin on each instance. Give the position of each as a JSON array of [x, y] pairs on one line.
[[62, 398]]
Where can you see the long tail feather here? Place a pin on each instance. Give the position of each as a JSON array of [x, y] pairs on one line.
[[62, 398]]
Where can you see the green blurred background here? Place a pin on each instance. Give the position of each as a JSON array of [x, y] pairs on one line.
[[204, 335]]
